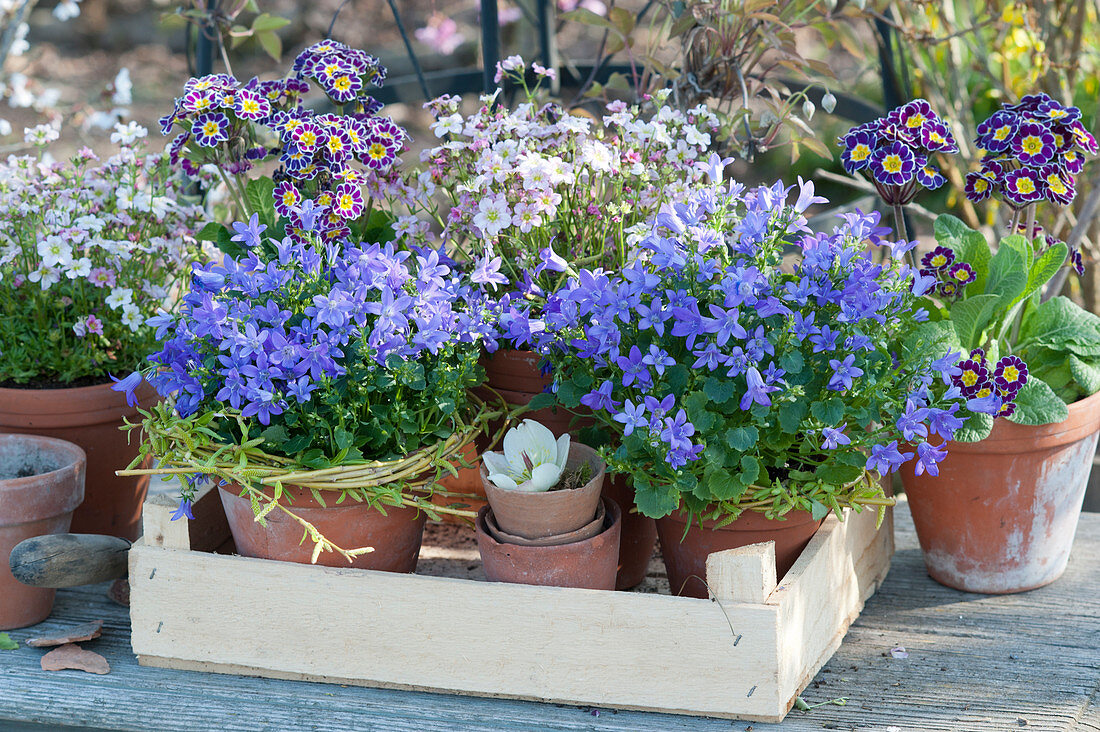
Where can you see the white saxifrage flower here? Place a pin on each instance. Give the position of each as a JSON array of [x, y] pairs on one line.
[[532, 461], [493, 216]]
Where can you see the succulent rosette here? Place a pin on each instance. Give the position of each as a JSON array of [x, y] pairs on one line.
[[896, 151], [731, 380]]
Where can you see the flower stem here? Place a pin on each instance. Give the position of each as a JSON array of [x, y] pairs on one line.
[[903, 232]]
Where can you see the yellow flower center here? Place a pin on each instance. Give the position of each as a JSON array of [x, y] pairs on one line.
[[347, 203], [969, 378], [377, 151], [335, 144], [290, 198], [342, 83], [250, 105], [1032, 145], [1025, 185], [983, 393], [1001, 132], [915, 121], [892, 164], [307, 138], [1056, 184], [961, 274], [939, 260], [860, 152], [981, 185], [210, 128], [1011, 374], [324, 199]]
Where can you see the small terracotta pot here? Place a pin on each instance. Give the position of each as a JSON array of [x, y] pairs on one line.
[[590, 564], [639, 534], [686, 559], [515, 370], [395, 536], [585, 532], [534, 515], [1002, 514], [90, 417], [41, 483]]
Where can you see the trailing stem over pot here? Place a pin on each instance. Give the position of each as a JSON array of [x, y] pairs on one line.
[[735, 381]]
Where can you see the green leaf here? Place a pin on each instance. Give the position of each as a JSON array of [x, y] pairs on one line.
[[1086, 374], [975, 429], [792, 362], [742, 438], [275, 435], [569, 395], [819, 511], [830, 411], [718, 390], [259, 195], [1008, 270], [1036, 403], [271, 43], [696, 405], [791, 415], [724, 487], [971, 316], [6, 643], [838, 475], [344, 439], [1059, 322], [1045, 266], [222, 238], [542, 400], [751, 469], [267, 22]]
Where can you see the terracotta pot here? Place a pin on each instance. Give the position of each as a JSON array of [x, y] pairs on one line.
[[515, 370], [639, 534], [395, 536], [686, 559], [534, 515], [585, 532], [41, 483], [590, 564], [1002, 514], [90, 417]]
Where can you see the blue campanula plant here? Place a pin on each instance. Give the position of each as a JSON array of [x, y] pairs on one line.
[[346, 368], [747, 362]]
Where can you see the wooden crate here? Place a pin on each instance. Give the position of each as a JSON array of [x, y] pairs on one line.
[[747, 655]]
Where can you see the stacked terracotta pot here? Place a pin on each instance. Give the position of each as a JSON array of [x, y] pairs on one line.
[[567, 537]]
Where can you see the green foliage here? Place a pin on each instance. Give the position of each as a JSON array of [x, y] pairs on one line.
[[7, 644]]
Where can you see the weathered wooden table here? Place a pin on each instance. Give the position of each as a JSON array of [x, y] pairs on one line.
[[1028, 661]]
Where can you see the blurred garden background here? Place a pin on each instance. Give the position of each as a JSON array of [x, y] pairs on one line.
[[786, 77]]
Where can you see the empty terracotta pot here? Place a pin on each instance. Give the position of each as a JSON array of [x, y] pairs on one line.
[[1002, 514], [686, 556], [41, 483], [90, 417], [534, 515], [395, 536], [515, 370], [639, 533], [590, 564]]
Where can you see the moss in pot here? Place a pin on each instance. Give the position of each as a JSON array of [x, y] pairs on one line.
[[541, 486]]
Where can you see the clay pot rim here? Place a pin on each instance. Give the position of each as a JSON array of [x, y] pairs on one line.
[[613, 512], [77, 406], [514, 539], [75, 453], [600, 471]]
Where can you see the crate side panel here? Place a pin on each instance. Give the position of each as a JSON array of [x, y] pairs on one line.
[[615, 649], [826, 595]]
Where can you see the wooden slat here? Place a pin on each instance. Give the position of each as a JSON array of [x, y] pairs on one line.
[[207, 532], [745, 574]]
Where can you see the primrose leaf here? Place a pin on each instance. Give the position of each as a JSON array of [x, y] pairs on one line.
[[1036, 403]]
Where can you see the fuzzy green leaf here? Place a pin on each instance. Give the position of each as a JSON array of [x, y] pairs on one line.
[[975, 429], [970, 246], [1008, 270], [971, 316], [1085, 373], [1036, 404]]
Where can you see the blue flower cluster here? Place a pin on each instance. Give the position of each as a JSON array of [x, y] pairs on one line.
[[742, 327], [322, 327]]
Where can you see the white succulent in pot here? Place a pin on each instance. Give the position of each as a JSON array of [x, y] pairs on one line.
[[533, 460]]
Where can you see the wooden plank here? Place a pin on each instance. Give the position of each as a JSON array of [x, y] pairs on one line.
[[208, 531], [744, 574], [627, 650], [824, 592]]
